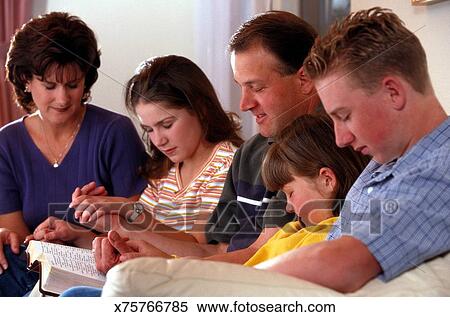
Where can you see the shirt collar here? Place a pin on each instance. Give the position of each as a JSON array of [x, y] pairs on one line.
[[422, 148]]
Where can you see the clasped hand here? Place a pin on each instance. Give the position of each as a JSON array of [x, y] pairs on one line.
[[92, 203], [115, 249]]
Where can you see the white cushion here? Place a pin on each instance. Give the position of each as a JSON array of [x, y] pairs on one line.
[[188, 277]]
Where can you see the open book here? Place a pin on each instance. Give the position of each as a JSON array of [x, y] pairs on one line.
[[62, 267]]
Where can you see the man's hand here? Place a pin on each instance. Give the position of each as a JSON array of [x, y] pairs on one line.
[[134, 248], [116, 249], [106, 255], [58, 231]]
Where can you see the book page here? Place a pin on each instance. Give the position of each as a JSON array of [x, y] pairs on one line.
[[72, 259]]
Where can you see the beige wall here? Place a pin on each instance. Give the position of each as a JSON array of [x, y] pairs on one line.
[[128, 32], [432, 26]]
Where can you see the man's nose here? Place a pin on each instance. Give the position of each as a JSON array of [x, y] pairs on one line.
[[247, 100], [343, 135]]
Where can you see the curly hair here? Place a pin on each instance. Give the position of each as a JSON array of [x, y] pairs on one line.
[[368, 45], [180, 83], [54, 39]]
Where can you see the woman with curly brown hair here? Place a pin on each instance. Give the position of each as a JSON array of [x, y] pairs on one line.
[[62, 143]]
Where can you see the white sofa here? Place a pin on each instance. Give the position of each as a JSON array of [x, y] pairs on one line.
[[187, 277]]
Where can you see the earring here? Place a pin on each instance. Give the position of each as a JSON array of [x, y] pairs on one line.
[[86, 97], [27, 88]]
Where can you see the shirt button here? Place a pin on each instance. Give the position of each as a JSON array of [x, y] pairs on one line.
[[369, 190]]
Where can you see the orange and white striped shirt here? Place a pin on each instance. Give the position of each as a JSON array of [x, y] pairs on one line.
[[178, 207]]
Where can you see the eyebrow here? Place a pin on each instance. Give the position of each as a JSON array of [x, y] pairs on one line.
[[253, 82], [160, 122], [249, 82], [44, 80], [336, 111]]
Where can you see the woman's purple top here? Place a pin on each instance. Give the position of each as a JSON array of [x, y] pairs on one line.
[[107, 150]]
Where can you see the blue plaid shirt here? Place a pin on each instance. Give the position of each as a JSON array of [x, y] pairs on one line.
[[401, 210]]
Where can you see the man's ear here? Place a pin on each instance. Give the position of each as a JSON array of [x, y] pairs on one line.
[[395, 92], [307, 85], [327, 181]]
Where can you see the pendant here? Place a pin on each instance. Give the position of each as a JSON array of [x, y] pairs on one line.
[[55, 165]]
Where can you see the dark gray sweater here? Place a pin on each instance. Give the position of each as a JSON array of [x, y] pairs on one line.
[[246, 206]]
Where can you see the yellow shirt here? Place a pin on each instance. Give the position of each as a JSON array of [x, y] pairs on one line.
[[290, 237]]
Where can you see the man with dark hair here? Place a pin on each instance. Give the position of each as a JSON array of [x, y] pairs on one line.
[[267, 54]]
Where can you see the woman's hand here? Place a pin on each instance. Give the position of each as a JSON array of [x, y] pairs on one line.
[[90, 189], [91, 202], [87, 199], [13, 239], [90, 208]]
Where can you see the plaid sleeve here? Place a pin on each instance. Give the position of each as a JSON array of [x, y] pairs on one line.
[[410, 219]]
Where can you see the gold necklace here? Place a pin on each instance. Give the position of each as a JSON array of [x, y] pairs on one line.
[[57, 159]]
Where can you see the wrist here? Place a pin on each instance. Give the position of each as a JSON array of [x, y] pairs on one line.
[[137, 209], [84, 239]]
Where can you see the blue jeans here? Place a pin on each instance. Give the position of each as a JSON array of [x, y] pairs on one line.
[[82, 291], [17, 280]]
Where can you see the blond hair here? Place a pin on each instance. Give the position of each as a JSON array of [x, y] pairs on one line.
[[368, 45]]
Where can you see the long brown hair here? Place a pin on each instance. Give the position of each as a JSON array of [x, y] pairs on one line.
[[180, 83], [303, 148]]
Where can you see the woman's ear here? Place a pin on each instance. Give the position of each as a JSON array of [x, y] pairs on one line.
[[306, 84], [327, 182], [27, 86]]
